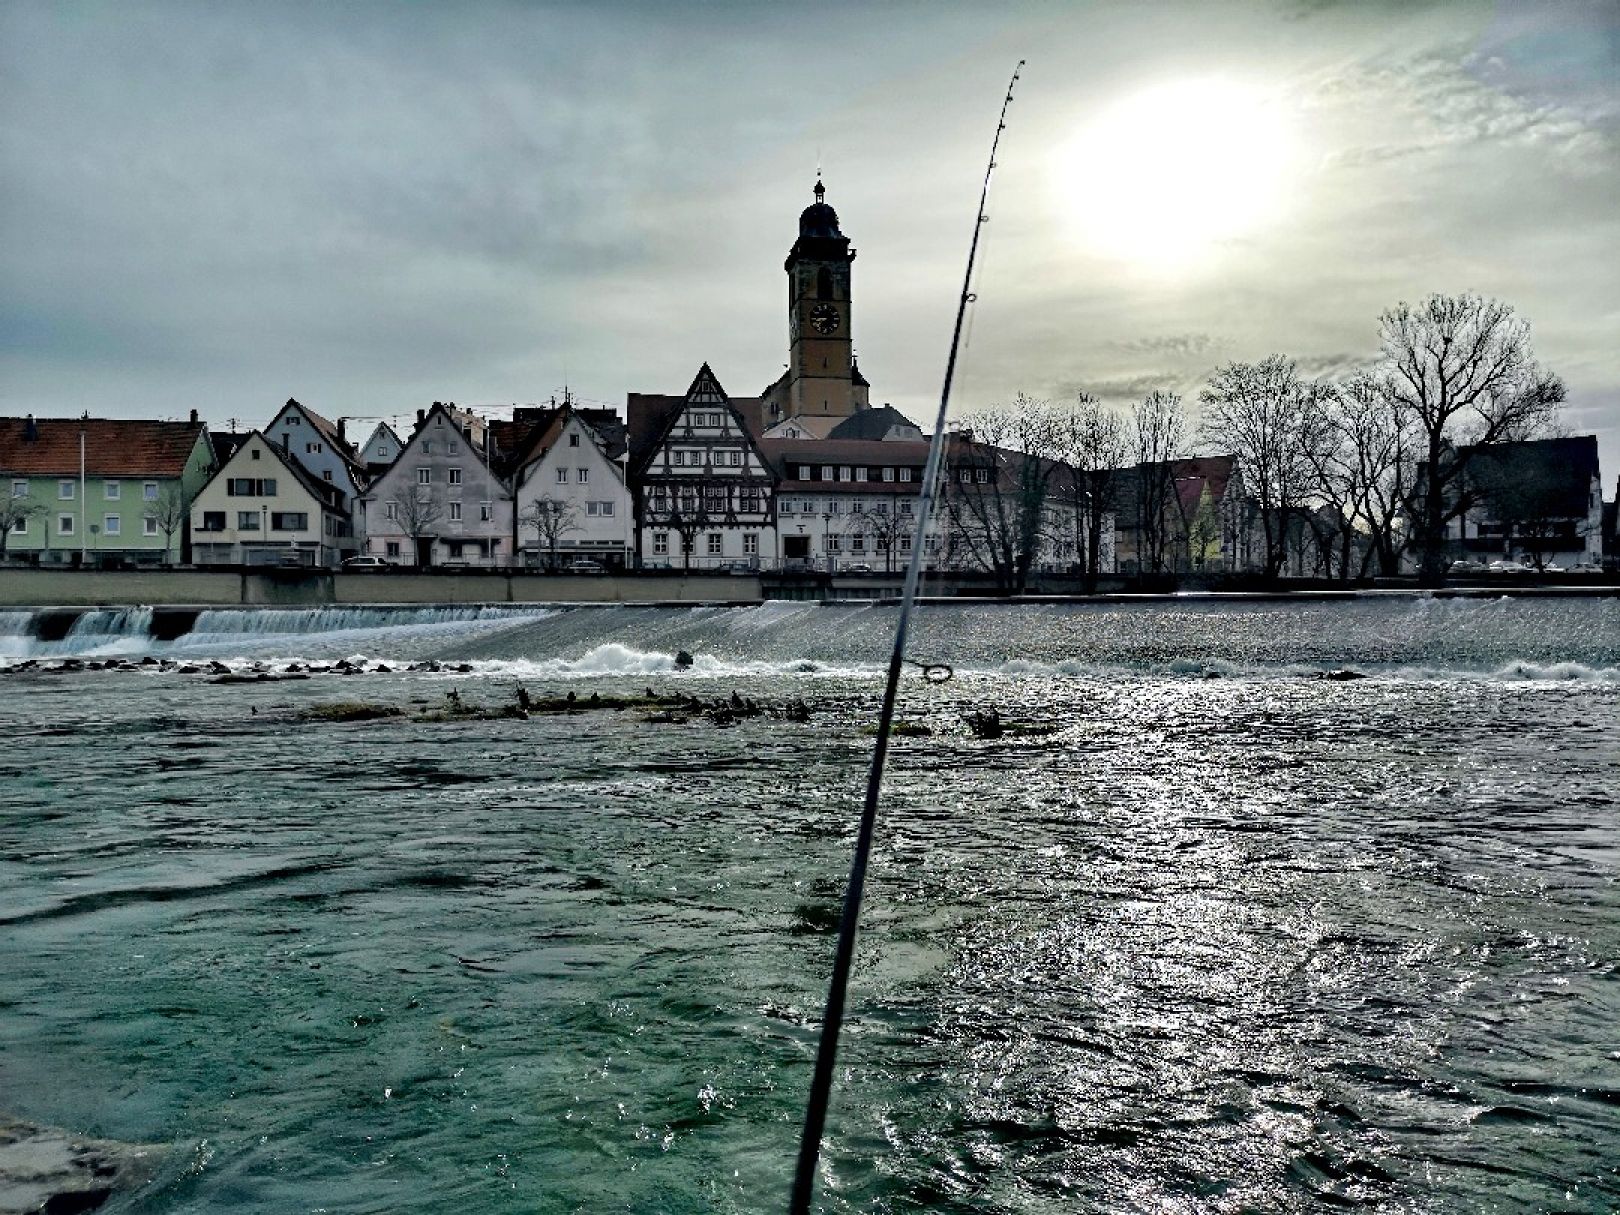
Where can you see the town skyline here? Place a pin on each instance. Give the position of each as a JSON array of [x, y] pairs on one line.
[[369, 215]]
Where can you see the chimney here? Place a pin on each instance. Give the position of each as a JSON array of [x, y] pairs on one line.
[[421, 415], [30, 430], [193, 417], [343, 430]]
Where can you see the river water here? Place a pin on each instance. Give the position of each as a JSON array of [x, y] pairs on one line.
[[1212, 934]]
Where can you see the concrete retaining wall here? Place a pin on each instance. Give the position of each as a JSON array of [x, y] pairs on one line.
[[299, 588]]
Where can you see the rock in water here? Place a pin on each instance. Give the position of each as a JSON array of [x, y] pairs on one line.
[[44, 1169]]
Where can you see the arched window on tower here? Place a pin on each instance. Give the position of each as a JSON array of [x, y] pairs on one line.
[[824, 286]]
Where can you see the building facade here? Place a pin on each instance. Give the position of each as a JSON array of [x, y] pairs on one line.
[[265, 508], [572, 499], [100, 490]]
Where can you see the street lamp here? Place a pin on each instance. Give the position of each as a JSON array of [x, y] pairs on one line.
[[826, 540]]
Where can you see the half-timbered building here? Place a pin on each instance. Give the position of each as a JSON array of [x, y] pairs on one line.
[[703, 491]]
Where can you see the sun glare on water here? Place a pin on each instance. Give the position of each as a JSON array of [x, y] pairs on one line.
[[1164, 176]]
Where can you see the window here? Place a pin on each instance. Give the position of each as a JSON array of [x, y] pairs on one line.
[[247, 520], [327, 475], [592, 508], [149, 525], [439, 421], [888, 474], [905, 507], [860, 474], [19, 489], [212, 521], [562, 476], [834, 543], [455, 512], [427, 447], [391, 548], [750, 544], [905, 474], [382, 451], [735, 459], [64, 525], [64, 489], [716, 544], [573, 440], [20, 528], [982, 476], [607, 508], [660, 543], [454, 547], [965, 476], [858, 543], [804, 472], [881, 508], [686, 543], [584, 475], [843, 472], [294, 420], [826, 472], [112, 525], [254, 452], [484, 512], [453, 447], [149, 491], [111, 490], [289, 521], [455, 476], [313, 448], [249, 487], [905, 544], [424, 476], [388, 511]]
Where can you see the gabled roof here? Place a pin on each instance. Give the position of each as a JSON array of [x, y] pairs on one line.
[[113, 447], [649, 417], [327, 431], [324, 492], [606, 430], [225, 445], [382, 430]]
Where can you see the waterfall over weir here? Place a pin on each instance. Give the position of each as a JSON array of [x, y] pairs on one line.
[[1566, 636]]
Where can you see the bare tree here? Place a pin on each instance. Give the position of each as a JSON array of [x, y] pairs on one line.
[[1002, 464], [1259, 413], [15, 513], [169, 511], [1461, 368], [1093, 442], [883, 523], [1377, 443], [1158, 435], [552, 519], [417, 514]]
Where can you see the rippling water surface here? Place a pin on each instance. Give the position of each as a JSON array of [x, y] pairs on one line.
[[1262, 942]]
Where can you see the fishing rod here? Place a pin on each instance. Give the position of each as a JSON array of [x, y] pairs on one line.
[[815, 1114]]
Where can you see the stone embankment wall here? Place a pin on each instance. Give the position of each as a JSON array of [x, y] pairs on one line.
[[293, 588]]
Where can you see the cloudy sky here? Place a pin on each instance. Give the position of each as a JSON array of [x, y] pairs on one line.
[[371, 207]]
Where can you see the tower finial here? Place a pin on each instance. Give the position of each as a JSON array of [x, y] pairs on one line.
[[820, 189]]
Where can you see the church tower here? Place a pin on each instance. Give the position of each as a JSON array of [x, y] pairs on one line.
[[821, 379]]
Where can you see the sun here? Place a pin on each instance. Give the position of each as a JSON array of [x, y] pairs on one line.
[[1168, 174]]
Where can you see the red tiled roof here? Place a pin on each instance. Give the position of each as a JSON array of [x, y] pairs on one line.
[[113, 447]]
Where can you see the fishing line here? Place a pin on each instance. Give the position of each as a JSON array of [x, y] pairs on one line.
[[815, 1114]]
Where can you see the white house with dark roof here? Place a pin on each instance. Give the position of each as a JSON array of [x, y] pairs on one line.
[[569, 487], [265, 508], [440, 502], [381, 449], [704, 491]]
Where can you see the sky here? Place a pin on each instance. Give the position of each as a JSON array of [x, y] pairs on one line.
[[373, 207]]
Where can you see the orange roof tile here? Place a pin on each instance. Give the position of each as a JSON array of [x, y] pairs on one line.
[[113, 447]]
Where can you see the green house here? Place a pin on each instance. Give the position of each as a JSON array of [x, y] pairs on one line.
[[94, 491]]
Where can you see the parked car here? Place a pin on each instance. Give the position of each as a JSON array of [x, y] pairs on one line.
[[365, 563], [1586, 567], [583, 565], [1467, 566], [1506, 566], [857, 567]]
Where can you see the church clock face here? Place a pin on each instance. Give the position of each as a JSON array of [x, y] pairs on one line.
[[824, 317]]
